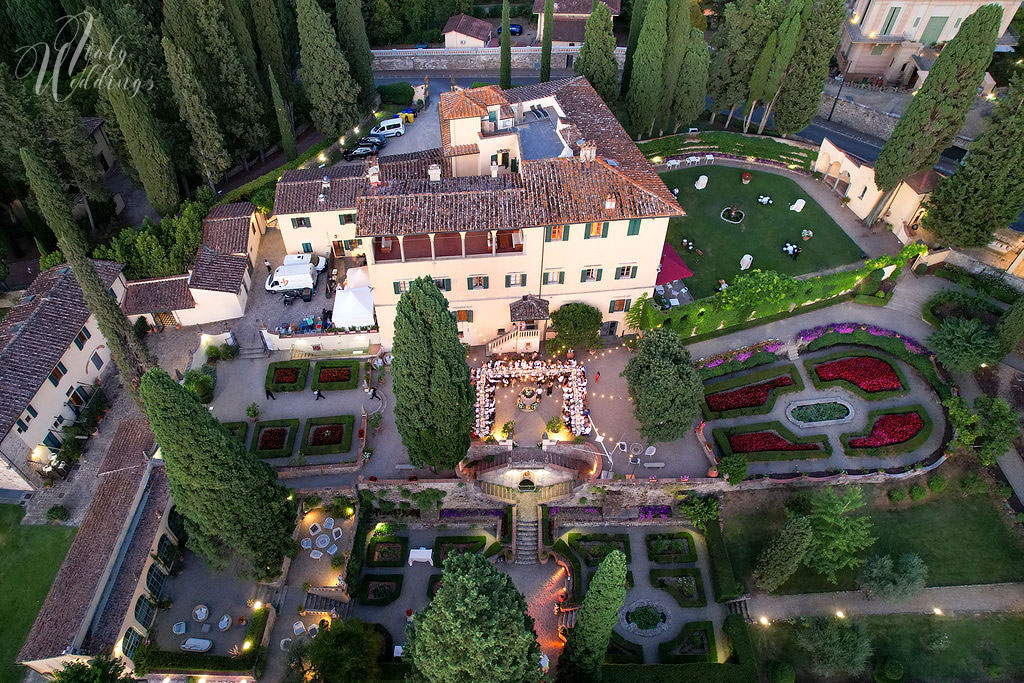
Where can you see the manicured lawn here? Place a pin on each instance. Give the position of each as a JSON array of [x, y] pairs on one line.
[[963, 539], [761, 234], [977, 647], [29, 559]]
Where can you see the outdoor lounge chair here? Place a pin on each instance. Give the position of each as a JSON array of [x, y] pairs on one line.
[[336, 533], [329, 523], [298, 628], [307, 543], [197, 645]]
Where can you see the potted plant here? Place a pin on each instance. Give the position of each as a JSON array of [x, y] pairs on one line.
[[746, 177], [253, 411]]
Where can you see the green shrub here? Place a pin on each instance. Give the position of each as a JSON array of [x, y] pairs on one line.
[[972, 484], [396, 93], [141, 326], [57, 513], [897, 495], [676, 581], [201, 384], [748, 379], [286, 449], [782, 672], [300, 381], [895, 449], [644, 617], [310, 503], [917, 492], [938, 483], [347, 424], [720, 435], [723, 576], [1005, 491], [921, 269]]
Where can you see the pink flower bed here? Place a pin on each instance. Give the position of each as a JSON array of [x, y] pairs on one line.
[[759, 442], [750, 396], [867, 373], [890, 430]]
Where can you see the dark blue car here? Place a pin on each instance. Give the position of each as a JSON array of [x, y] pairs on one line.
[[513, 30]]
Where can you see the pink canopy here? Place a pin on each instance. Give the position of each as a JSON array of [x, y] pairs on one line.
[[672, 266]]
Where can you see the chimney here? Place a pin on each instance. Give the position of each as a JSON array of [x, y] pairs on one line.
[[434, 173], [373, 173], [494, 169], [588, 151], [322, 198], [325, 183], [609, 203]]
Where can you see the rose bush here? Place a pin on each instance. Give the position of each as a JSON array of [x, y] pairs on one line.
[[328, 375], [889, 430], [750, 396], [868, 373], [286, 375], [272, 438], [326, 435], [758, 442]]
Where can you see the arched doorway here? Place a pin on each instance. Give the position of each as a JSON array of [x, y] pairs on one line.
[[526, 484]]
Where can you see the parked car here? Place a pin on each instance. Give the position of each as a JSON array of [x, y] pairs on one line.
[[294, 277], [389, 127], [378, 141], [513, 30], [359, 152], [421, 46], [318, 262]]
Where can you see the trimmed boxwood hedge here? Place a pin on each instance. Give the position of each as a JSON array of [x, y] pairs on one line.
[[758, 359], [300, 382], [352, 365], [818, 383], [622, 651], [149, 659], [477, 544], [403, 554], [895, 449], [665, 655], [289, 442], [972, 305], [723, 577], [671, 558], [545, 526], [239, 430], [364, 586], [576, 540], [493, 549], [747, 379], [700, 601], [561, 549], [434, 580], [347, 421], [721, 437]]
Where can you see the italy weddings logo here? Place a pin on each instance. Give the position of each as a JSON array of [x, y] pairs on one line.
[[74, 61]]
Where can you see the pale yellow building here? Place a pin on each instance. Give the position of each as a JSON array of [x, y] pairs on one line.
[[463, 30], [890, 40], [537, 191], [569, 19]]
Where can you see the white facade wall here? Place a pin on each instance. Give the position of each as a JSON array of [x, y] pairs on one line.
[[454, 39]]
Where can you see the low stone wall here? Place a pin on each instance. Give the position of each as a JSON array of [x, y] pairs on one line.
[[866, 119], [971, 265], [297, 471], [482, 58]]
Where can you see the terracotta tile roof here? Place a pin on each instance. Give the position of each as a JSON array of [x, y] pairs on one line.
[[412, 165], [468, 26], [463, 104], [576, 6], [68, 608], [157, 295], [37, 331], [89, 124], [131, 446], [530, 307], [568, 30], [217, 272], [299, 191], [232, 210], [226, 227], [461, 150], [925, 181]]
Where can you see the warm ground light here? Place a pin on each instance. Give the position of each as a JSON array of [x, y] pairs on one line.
[[29, 559], [762, 233]]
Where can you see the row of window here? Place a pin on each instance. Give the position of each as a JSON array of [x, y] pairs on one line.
[[549, 277], [552, 233], [465, 315]]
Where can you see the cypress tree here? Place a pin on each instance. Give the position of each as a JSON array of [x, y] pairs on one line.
[[239, 29], [270, 39], [690, 95], [645, 87], [665, 387], [324, 73], [19, 127], [545, 45], [727, 76], [286, 13], [587, 644], [433, 396], [284, 124], [127, 350], [78, 165], [759, 76], [985, 194], [939, 108], [799, 97], [790, 33], [352, 36], [597, 62], [231, 501], [208, 150], [33, 21], [636, 21], [505, 76], [678, 35]]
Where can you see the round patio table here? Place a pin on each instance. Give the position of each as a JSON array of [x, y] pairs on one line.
[[323, 540], [636, 449]]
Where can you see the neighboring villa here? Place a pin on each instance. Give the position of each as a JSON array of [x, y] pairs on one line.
[[463, 30], [569, 20], [537, 192], [51, 356], [217, 286], [102, 598], [893, 42]]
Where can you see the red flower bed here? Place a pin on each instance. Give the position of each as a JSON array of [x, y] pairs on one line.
[[889, 430], [870, 374], [749, 396], [335, 374], [286, 375], [326, 435], [272, 438], [758, 442]]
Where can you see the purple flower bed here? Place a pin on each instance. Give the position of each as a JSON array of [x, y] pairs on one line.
[[655, 512], [739, 355], [459, 513], [556, 511], [809, 335]]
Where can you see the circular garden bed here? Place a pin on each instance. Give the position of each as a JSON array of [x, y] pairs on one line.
[[820, 412], [730, 215], [645, 618]]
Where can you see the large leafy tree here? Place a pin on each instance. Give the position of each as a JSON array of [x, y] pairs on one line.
[[127, 350], [325, 76], [545, 41], [345, 652], [964, 344], [799, 97], [587, 643], [784, 554], [638, 8], [101, 669], [702, 511], [597, 62], [985, 194], [835, 646], [505, 72], [665, 387], [939, 108], [231, 501], [757, 287], [645, 83], [433, 395], [989, 429], [284, 123], [838, 535], [352, 36], [690, 94], [576, 326], [476, 628], [883, 578]]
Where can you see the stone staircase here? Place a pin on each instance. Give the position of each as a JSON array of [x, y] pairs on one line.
[[526, 541], [739, 606], [567, 618], [325, 605], [252, 352]]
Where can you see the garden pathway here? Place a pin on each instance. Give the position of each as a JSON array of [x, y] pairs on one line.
[[919, 393], [996, 597]]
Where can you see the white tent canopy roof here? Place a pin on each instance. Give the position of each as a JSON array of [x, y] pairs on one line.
[[357, 277], [353, 307]]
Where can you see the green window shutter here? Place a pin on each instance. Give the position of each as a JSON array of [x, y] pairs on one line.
[[487, 282], [604, 229], [561, 277], [544, 278], [618, 274], [632, 272], [21, 425], [469, 316], [547, 234], [890, 20], [586, 231], [446, 284], [565, 233], [583, 275], [522, 280], [611, 306], [31, 410], [628, 302], [599, 271], [634, 227], [397, 290], [508, 280], [469, 283], [62, 368]]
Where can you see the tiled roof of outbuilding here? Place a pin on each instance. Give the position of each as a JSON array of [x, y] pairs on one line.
[[576, 6], [217, 272], [156, 295], [468, 26], [226, 227]]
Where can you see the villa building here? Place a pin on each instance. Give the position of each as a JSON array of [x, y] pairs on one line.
[[51, 355], [463, 30], [536, 192], [893, 42], [569, 18]]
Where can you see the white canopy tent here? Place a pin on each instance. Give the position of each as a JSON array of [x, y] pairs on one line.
[[421, 554], [353, 307], [357, 277]]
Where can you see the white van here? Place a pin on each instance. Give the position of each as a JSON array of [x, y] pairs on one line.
[[291, 278], [318, 262], [389, 128]]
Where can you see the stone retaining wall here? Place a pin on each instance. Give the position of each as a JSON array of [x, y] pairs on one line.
[[483, 58], [866, 119]]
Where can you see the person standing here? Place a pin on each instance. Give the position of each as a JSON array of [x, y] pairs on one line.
[[266, 262], [597, 377], [373, 392], [270, 394], [319, 394]]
